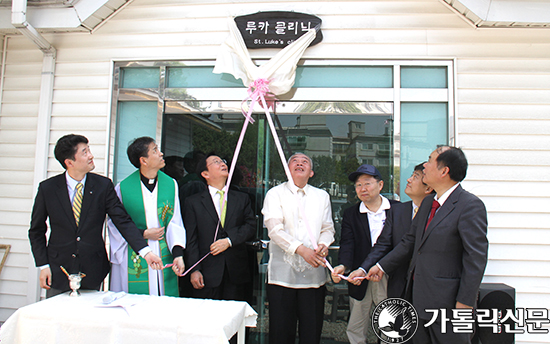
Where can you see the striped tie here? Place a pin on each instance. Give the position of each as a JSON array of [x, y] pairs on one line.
[[77, 202]]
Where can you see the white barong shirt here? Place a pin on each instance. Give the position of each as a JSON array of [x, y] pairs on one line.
[[287, 230]]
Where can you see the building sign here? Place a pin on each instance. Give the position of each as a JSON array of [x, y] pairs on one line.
[[276, 29]]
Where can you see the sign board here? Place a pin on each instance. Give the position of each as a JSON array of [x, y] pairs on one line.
[[276, 29]]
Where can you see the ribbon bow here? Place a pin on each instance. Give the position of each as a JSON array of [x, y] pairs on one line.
[[257, 91]]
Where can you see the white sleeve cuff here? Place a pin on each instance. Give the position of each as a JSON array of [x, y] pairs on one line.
[[380, 267], [144, 251], [294, 246], [44, 266]]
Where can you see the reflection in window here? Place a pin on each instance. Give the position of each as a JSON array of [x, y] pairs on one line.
[[297, 143], [367, 146], [368, 161], [338, 144], [383, 162]]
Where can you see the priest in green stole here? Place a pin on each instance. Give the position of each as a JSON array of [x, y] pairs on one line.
[[151, 198]]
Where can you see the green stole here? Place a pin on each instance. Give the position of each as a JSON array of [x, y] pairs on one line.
[[132, 198]]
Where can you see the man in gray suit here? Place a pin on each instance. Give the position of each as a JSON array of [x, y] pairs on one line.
[[448, 247]]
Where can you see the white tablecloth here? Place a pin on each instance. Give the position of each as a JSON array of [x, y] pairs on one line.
[[152, 319]]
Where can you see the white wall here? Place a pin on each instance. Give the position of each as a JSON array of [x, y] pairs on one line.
[[503, 109]]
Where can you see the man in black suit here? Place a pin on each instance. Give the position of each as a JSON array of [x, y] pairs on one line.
[[397, 224], [448, 245], [76, 228], [225, 273], [361, 226]]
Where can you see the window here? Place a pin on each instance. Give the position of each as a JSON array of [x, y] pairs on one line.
[[367, 146], [368, 161], [383, 147], [426, 115]]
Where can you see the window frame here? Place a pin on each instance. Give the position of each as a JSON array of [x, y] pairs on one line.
[[396, 94]]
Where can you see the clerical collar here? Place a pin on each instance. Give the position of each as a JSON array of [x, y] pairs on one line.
[[149, 183]]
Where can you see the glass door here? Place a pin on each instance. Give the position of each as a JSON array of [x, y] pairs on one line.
[[338, 136]]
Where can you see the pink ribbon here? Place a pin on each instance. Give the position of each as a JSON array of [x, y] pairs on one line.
[[345, 277], [200, 260]]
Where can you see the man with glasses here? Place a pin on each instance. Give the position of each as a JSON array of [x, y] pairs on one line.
[[361, 226], [225, 273], [397, 224]]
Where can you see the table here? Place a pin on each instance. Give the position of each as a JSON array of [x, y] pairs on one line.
[[151, 319]]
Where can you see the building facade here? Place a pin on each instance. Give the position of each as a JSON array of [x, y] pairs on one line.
[[389, 81]]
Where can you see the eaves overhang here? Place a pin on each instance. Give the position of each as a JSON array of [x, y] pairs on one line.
[[503, 13], [63, 15]]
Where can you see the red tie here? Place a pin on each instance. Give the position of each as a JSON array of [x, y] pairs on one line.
[[435, 206]]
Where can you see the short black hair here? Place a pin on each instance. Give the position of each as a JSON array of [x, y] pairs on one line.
[[420, 167], [138, 148], [66, 147], [201, 165], [455, 160]]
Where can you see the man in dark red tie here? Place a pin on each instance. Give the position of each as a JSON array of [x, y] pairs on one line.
[[435, 206], [447, 245]]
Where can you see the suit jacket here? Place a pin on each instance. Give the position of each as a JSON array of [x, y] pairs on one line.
[[355, 244], [201, 219], [398, 223], [448, 258], [78, 248]]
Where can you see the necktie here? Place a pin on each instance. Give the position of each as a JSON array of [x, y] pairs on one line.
[[223, 208], [77, 203], [415, 210], [435, 206]]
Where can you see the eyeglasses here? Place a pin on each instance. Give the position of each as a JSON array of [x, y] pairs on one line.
[[360, 185], [217, 162]]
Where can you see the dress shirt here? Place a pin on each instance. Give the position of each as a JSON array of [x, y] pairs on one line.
[[376, 218], [446, 195], [287, 230], [71, 185]]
